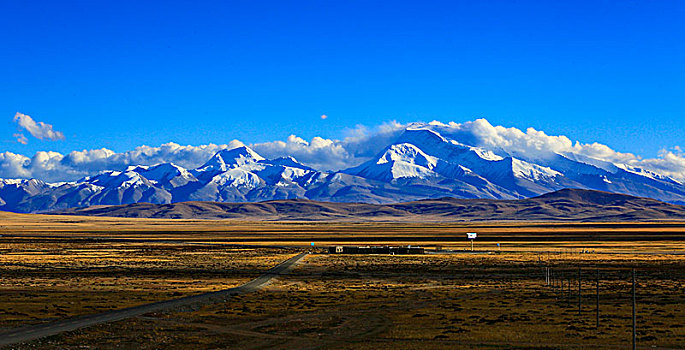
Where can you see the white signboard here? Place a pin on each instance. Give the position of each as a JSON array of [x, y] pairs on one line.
[[471, 235]]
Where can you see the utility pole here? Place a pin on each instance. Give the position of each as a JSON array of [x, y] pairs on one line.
[[547, 276], [579, 292], [634, 317], [597, 295]]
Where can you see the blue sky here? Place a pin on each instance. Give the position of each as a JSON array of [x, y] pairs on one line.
[[120, 74]]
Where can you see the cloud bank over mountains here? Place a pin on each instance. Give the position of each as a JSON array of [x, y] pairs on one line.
[[360, 145]]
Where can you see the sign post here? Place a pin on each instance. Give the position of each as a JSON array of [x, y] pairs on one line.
[[471, 236]]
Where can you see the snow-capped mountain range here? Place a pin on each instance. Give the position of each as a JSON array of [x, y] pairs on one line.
[[421, 163]]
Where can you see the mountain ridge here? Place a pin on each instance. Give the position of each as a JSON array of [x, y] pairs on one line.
[[421, 163], [564, 205]]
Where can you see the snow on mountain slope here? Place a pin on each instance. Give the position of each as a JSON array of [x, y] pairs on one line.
[[257, 171], [402, 160], [249, 177], [595, 163], [125, 187], [237, 178], [423, 153], [123, 179], [647, 173], [284, 171], [15, 191], [518, 177], [168, 175], [279, 175], [534, 172], [424, 161], [225, 160]]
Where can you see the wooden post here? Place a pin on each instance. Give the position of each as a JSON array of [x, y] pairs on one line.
[[597, 297], [634, 318]]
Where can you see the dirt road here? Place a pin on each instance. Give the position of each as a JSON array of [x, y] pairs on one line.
[[33, 332]]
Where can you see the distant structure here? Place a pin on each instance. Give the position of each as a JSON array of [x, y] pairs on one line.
[[375, 250], [471, 237]]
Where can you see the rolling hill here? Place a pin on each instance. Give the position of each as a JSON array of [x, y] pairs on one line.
[[563, 205]]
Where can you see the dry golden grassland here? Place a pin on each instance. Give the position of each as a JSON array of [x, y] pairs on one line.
[[423, 302], [517, 235], [55, 267], [44, 281]]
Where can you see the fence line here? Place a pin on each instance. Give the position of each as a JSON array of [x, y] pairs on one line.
[[558, 278]]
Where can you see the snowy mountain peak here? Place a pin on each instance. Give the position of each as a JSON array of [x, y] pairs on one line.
[[421, 136], [450, 150], [118, 179], [403, 160], [230, 158], [426, 160], [407, 153], [238, 156]]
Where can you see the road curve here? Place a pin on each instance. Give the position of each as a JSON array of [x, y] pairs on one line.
[[28, 333]]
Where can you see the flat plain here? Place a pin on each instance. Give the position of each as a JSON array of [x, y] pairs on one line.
[[56, 267]]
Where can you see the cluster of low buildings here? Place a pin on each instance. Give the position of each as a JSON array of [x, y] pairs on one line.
[[344, 249]]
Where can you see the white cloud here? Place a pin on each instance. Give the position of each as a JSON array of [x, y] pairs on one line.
[[360, 144], [318, 153], [534, 144], [21, 138], [363, 142], [38, 130], [54, 166], [668, 163], [14, 165]]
